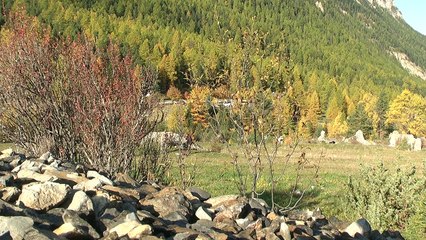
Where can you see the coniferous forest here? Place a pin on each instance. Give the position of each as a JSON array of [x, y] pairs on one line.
[[336, 61]]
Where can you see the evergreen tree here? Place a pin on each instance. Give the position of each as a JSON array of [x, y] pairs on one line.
[[359, 120]]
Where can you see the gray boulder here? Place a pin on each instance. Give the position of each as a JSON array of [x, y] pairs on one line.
[[361, 227], [104, 180], [43, 196], [417, 145], [167, 201], [81, 203]]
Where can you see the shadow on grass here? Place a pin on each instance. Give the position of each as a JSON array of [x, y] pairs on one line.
[[288, 198]]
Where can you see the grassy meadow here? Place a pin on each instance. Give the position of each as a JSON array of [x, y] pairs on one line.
[[214, 172]]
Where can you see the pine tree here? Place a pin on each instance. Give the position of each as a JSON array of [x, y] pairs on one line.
[[359, 120], [381, 109]]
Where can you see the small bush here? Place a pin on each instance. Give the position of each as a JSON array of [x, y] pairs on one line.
[[387, 199]]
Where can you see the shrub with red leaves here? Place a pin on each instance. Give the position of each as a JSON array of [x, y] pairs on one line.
[[84, 104]]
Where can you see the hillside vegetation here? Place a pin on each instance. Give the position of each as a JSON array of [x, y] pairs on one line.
[[330, 58]]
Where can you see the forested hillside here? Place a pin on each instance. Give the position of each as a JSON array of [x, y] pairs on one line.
[[333, 57]]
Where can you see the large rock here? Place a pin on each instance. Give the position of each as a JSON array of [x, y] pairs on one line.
[[232, 209], [199, 193], [361, 226], [6, 153], [26, 174], [74, 219], [89, 185], [81, 203], [167, 201], [417, 145], [70, 231], [96, 175], [43, 196], [133, 229], [285, 231], [100, 202], [18, 227], [359, 136], [203, 213], [394, 138], [410, 140], [216, 201], [322, 138]]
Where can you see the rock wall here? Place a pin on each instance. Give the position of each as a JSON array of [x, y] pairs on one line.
[[45, 198]]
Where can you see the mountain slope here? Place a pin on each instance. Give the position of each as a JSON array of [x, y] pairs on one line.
[[349, 43]]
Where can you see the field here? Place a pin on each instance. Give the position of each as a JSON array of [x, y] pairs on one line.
[[215, 173]]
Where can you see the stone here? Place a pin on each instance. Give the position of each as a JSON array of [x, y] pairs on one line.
[[112, 218], [394, 138], [361, 226], [145, 216], [74, 219], [8, 151], [26, 174], [100, 202], [199, 193], [232, 209], [4, 166], [166, 201], [17, 226], [255, 204], [45, 156], [243, 222], [43, 196], [126, 193], [359, 136], [10, 194], [417, 146], [89, 185], [125, 180], [51, 219], [81, 203], [69, 177], [285, 231], [28, 164], [214, 202], [203, 226], [127, 227], [203, 213], [6, 180], [322, 138], [139, 231], [69, 231], [103, 179], [186, 236], [176, 218], [410, 140]]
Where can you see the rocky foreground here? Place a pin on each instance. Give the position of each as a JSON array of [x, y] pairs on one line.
[[44, 198]]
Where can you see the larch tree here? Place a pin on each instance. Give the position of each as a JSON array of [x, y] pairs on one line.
[[407, 113]]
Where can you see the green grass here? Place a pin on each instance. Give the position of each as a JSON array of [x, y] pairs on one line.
[[215, 173]]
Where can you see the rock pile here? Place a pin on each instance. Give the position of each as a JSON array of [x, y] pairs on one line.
[[415, 144], [48, 199]]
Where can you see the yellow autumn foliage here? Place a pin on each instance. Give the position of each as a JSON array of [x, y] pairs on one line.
[[338, 127], [407, 112]]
